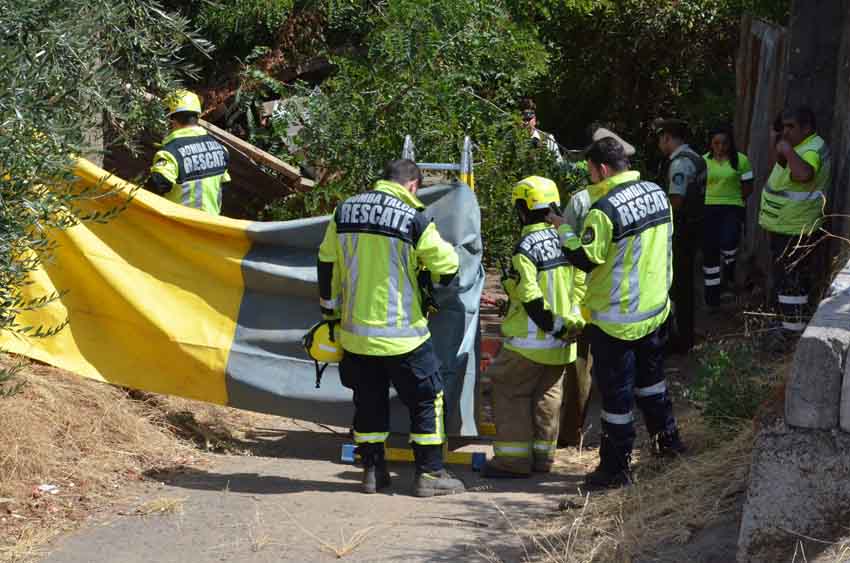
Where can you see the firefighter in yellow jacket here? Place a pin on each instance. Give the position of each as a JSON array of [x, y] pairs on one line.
[[374, 249], [191, 166], [540, 329]]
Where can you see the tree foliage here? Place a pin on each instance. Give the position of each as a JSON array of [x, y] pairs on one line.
[[626, 63], [442, 69], [437, 71], [67, 68], [235, 26]]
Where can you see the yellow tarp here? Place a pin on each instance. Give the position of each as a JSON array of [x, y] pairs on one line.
[[171, 300], [156, 291]]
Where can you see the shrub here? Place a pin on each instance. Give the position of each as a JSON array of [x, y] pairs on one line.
[[237, 26], [731, 382], [67, 69]]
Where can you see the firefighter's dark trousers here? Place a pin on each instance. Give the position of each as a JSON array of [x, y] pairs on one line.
[[629, 372], [416, 378]]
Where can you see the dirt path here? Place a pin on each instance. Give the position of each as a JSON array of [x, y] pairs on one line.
[[295, 501], [304, 505]]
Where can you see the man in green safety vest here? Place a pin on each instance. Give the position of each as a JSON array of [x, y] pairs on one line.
[[625, 246], [792, 206], [374, 249], [191, 166], [542, 323]]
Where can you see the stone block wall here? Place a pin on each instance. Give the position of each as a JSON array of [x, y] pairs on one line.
[[800, 474]]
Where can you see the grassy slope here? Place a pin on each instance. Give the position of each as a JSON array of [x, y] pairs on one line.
[[89, 439]]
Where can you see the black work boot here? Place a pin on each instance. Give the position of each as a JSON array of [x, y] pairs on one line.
[[668, 444], [613, 470], [436, 483], [375, 474], [607, 478]]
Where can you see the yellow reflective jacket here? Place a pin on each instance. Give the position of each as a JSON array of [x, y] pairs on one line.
[[793, 208], [195, 165], [369, 261], [544, 273], [626, 247]]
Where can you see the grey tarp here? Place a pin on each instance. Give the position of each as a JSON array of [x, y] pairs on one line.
[[267, 369]]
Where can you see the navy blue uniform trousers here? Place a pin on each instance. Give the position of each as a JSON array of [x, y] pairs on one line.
[[628, 373]]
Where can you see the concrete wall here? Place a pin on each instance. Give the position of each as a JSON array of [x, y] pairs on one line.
[[800, 474]]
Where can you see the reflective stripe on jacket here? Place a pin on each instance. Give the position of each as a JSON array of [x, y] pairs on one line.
[[196, 165], [377, 243], [544, 273], [626, 244], [792, 208]]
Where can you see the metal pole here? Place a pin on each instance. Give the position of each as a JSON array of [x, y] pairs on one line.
[[409, 150], [466, 174]]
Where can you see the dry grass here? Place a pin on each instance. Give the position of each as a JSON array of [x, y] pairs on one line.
[[669, 504], [85, 438], [210, 427], [347, 544], [257, 533], [89, 439], [25, 545]]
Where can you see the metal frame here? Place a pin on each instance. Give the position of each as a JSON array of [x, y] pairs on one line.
[[464, 167]]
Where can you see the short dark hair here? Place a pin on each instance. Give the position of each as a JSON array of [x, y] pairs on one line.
[[676, 128], [803, 115], [608, 151], [401, 171], [185, 117], [725, 129]]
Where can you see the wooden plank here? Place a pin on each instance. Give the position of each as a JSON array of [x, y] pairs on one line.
[[761, 71], [254, 153], [306, 184]]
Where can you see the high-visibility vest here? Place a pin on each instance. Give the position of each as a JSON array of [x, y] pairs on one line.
[[377, 242], [196, 165], [543, 271], [792, 208], [724, 182], [628, 233]]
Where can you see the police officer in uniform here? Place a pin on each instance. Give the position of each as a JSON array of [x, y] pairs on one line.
[[191, 167], [686, 174], [369, 261], [792, 205], [624, 246]]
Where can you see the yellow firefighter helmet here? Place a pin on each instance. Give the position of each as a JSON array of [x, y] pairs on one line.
[[537, 193], [322, 345], [183, 101]]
